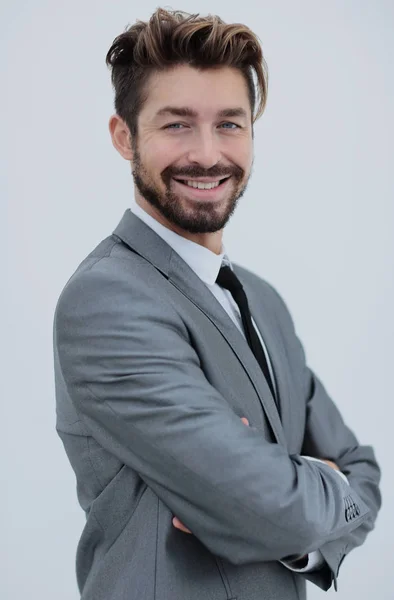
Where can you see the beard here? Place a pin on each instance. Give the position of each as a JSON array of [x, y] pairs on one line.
[[189, 215]]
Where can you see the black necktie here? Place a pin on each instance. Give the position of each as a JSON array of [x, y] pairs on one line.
[[228, 279]]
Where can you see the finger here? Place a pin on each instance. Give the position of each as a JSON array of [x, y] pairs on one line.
[[177, 523], [331, 464], [245, 420]]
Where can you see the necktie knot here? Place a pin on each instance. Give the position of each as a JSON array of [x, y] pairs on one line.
[[228, 279]]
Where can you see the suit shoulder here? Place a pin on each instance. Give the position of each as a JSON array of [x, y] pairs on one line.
[[254, 280], [100, 269], [262, 286], [101, 250], [110, 259], [113, 280]]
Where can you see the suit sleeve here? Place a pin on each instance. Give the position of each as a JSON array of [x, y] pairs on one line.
[[327, 436], [137, 383]]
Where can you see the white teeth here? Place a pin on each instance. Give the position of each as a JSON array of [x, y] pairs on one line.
[[202, 186]]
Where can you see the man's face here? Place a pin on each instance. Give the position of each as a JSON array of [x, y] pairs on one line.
[[174, 144]]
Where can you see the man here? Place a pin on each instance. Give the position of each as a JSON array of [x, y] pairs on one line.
[[210, 461]]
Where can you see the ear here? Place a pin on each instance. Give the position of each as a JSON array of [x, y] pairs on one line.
[[120, 135]]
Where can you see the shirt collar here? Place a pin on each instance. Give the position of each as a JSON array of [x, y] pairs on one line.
[[205, 263]]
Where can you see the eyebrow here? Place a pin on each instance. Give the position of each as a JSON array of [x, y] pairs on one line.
[[183, 111]]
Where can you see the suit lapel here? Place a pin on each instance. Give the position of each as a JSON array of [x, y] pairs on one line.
[[276, 351], [147, 243]]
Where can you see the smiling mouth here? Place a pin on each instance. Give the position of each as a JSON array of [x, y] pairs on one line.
[[186, 182]]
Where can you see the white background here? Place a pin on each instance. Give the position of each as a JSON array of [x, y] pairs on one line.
[[317, 222]]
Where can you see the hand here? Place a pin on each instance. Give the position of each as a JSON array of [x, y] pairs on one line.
[[175, 521], [331, 464]]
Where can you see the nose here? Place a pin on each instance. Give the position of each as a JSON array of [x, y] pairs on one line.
[[204, 150]]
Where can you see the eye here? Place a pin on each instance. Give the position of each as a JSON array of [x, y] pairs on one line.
[[234, 124], [173, 126]]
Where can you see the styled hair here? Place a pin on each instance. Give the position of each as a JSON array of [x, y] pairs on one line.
[[172, 38]]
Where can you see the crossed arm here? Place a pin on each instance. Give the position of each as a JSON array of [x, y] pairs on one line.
[[177, 523], [298, 564]]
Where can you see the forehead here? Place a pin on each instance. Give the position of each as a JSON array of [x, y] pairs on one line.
[[205, 92]]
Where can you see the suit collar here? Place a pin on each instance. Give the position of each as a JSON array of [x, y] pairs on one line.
[[205, 263]]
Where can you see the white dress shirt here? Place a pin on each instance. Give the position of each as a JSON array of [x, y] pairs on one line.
[[206, 264]]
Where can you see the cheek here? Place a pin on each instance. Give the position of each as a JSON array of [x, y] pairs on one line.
[[159, 155], [240, 152], [247, 160], [247, 152]]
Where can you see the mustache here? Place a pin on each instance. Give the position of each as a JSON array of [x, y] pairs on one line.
[[195, 171]]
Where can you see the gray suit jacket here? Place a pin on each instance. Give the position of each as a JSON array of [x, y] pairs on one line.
[[152, 379]]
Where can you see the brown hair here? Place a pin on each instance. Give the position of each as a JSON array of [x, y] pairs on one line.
[[172, 38]]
